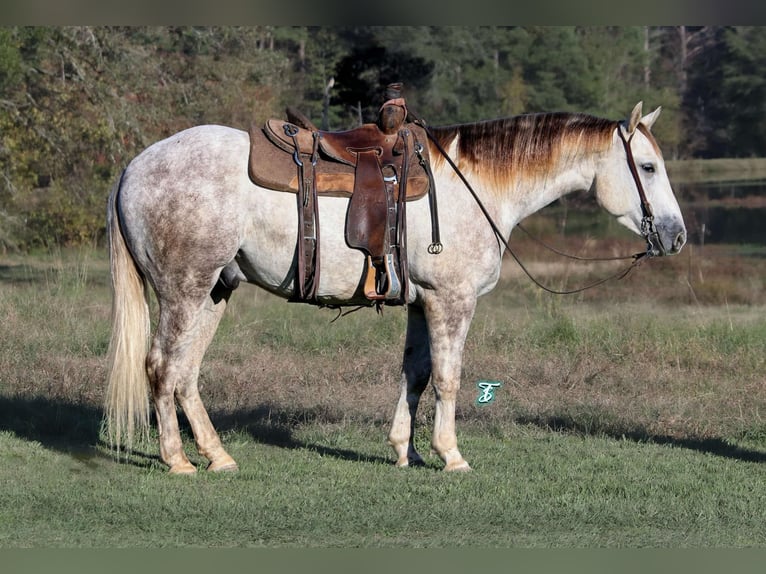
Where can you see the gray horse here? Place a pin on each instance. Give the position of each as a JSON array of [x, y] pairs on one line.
[[185, 209]]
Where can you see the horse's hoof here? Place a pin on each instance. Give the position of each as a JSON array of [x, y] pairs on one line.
[[412, 460], [458, 466], [225, 466], [183, 468]]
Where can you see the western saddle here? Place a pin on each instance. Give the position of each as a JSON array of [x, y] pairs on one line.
[[378, 166]]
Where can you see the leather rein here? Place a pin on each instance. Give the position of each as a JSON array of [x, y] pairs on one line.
[[648, 228]]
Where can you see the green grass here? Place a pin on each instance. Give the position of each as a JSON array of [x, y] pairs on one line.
[[720, 169], [631, 416], [335, 488]]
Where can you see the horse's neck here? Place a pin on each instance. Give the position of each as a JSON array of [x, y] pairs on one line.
[[533, 193], [522, 194]]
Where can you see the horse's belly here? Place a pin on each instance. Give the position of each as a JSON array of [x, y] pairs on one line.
[[268, 257]]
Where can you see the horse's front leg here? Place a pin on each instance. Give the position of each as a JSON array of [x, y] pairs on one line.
[[449, 318], [416, 370]]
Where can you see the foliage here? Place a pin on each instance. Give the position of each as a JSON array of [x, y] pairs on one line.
[[744, 87], [77, 103]]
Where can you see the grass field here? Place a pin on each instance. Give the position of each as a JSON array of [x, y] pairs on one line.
[[721, 169], [631, 415]]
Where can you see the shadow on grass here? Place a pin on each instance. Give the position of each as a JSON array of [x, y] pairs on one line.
[[74, 429], [712, 445], [69, 428], [57, 425], [272, 425]]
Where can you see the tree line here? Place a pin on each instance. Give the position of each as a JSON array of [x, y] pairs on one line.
[[77, 103]]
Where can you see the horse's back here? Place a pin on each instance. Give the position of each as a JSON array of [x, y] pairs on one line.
[[193, 154]]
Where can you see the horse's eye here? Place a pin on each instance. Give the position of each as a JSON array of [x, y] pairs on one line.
[[648, 167]]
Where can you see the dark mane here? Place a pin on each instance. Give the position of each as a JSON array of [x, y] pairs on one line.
[[525, 145]]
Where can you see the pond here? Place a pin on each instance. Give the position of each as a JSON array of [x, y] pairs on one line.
[[725, 212]]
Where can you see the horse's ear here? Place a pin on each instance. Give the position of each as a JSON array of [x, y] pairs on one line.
[[649, 119], [635, 117]]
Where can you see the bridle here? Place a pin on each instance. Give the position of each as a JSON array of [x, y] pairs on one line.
[[648, 229]]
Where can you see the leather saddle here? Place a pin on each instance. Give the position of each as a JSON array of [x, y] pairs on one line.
[[378, 166], [336, 158]]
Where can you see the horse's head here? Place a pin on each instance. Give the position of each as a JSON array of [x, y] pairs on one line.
[[632, 185]]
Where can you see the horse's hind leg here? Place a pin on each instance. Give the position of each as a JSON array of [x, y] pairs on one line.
[[183, 334], [416, 370], [205, 436]]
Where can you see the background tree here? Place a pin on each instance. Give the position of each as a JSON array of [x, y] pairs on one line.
[[743, 90], [76, 103]]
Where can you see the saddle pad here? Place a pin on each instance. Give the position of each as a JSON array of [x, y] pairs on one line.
[[274, 168]]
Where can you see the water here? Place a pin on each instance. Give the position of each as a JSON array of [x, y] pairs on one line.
[[725, 212]]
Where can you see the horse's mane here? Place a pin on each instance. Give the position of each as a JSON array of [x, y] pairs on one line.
[[524, 146]]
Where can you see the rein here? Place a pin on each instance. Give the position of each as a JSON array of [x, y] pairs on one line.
[[648, 229]]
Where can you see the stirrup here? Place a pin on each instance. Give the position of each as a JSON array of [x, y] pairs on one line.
[[370, 290], [393, 286], [394, 289]]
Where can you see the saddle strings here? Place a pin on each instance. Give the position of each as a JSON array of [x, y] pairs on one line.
[[637, 258]]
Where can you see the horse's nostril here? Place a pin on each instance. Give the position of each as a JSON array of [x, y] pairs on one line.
[[680, 241]]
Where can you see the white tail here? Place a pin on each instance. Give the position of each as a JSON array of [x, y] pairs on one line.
[[127, 401]]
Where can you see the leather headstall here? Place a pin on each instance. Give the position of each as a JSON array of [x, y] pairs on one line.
[[649, 231]]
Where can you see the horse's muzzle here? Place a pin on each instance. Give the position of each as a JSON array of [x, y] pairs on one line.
[[668, 239]]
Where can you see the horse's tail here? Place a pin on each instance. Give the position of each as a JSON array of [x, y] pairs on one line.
[[127, 402]]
